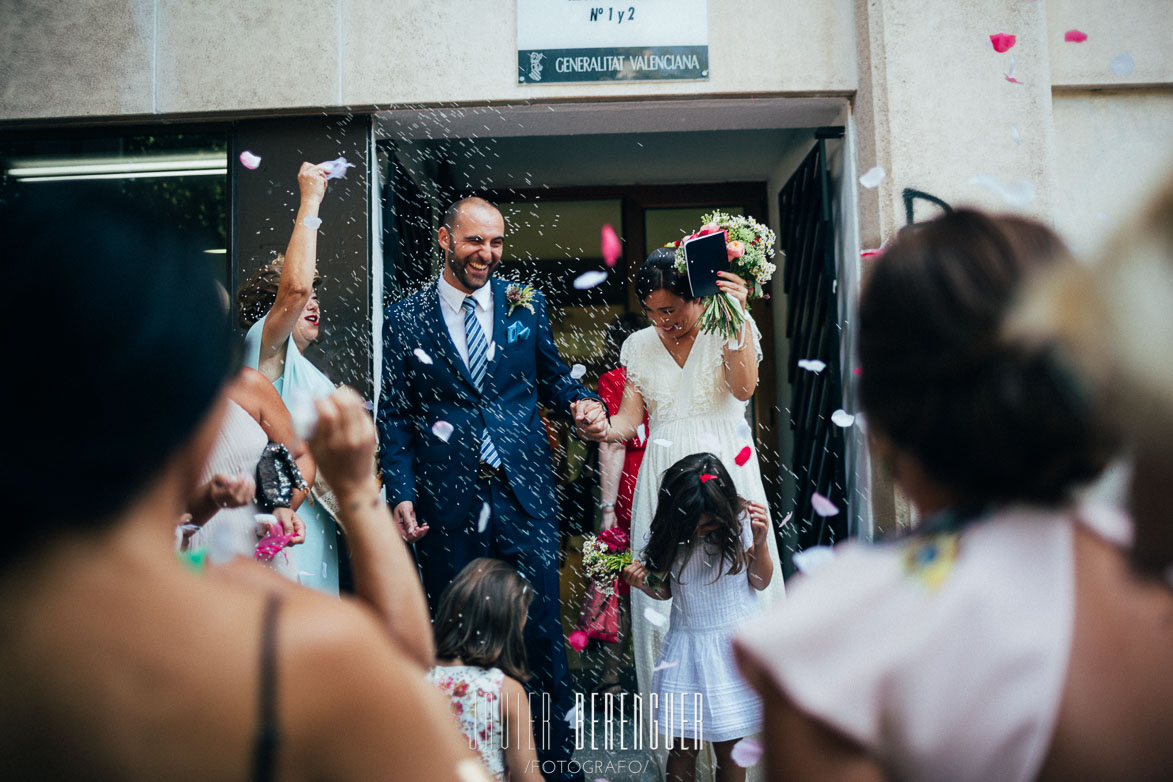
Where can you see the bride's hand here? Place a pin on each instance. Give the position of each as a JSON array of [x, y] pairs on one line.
[[730, 283]]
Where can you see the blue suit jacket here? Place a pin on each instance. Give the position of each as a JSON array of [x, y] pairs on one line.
[[438, 476]]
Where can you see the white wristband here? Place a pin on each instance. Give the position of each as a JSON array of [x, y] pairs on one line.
[[312, 223]]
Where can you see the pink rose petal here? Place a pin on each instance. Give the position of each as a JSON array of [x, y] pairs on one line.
[[823, 506], [611, 245], [747, 752], [786, 519], [1013, 80], [578, 640], [743, 456], [1002, 42], [1074, 36], [249, 160], [269, 545]]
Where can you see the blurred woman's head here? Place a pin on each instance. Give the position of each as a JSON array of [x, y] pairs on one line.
[[986, 420], [481, 616], [664, 293], [256, 297], [127, 360], [1114, 321]]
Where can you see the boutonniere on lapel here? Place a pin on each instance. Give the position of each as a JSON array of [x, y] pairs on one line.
[[519, 296]]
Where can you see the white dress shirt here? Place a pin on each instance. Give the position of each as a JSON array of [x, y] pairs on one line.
[[452, 305]]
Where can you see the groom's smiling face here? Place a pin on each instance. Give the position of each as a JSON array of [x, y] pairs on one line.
[[473, 246]]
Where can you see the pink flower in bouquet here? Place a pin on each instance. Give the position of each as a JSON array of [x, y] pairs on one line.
[[735, 249], [578, 640], [616, 539], [707, 228]]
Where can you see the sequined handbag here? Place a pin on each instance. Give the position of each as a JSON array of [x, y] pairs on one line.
[[277, 477]]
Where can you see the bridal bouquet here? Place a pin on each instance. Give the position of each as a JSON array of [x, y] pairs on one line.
[[750, 246]]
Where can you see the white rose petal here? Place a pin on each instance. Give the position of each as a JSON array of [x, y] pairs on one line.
[[746, 752], [660, 441], [422, 355], [873, 178], [590, 280], [665, 666], [491, 351], [655, 617], [443, 430], [823, 506], [641, 433], [842, 418], [483, 521], [335, 169], [812, 560], [1122, 64], [577, 371], [812, 365], [249, 160], [743, 430]]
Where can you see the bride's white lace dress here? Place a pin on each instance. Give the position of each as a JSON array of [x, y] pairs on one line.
[[691, 410]]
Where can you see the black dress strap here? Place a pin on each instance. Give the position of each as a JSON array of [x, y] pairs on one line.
[[268, 735]]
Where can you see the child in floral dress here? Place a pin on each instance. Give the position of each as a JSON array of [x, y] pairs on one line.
[[481, 664]]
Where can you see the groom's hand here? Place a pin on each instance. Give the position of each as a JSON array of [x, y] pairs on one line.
[[404, 515], [590, 419]]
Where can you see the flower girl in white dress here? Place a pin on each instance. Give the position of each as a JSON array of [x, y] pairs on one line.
[[707, 551]]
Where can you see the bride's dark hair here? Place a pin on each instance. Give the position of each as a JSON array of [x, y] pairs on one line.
[[659, 274]]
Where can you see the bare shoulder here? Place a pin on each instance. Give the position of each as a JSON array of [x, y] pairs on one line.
[[251, 390]]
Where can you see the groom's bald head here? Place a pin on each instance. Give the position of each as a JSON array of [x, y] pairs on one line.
[[459, 208]]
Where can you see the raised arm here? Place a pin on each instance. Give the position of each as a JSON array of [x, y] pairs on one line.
[[740, 360], [760, 569], [385, 576], [297, 274]]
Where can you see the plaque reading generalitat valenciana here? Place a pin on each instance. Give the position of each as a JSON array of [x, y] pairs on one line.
[[587, 41]]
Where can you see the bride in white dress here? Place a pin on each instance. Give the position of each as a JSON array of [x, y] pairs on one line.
[[695, 387]]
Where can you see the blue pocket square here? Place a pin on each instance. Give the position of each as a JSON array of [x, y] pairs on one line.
[[517, 331]]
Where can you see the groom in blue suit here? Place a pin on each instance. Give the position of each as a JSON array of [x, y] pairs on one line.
[[464, 453]]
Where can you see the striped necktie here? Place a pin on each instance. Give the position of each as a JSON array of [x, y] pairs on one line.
[[478, 365]]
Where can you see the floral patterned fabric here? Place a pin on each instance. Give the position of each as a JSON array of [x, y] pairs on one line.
[[475, 695]]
